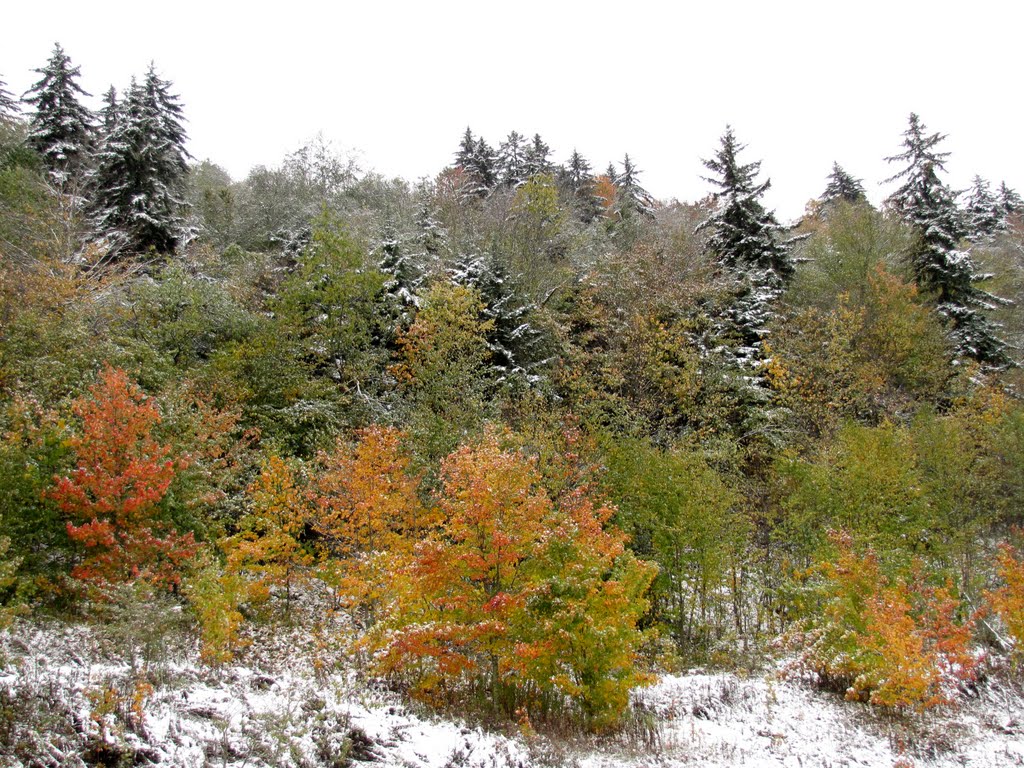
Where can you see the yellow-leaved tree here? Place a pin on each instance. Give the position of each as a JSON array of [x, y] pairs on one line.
[[522, 600]]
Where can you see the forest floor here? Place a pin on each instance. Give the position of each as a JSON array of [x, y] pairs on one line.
[[133, 692]]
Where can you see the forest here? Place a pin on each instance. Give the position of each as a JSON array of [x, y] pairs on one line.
[[534, 436]]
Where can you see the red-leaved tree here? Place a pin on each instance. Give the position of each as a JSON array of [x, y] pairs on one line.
[[113, 495]]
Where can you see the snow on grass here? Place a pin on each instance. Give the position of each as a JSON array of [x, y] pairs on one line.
[[69, 696]]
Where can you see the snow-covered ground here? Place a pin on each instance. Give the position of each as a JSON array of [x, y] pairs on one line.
[[70, 695]]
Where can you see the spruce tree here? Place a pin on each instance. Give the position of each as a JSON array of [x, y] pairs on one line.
[[431, 237], [512, 340], [512, 160], [1010, 202], [141, 170], [842, 186], [467, 148], [579, 182], [983, 215], [403, 276], [538, 155], [745, 241], [108, 113], [9, 109], [60, 128], [941, 270], [478, 160], [632, 197]]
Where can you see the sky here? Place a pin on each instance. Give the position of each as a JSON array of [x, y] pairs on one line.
[[396, 83]]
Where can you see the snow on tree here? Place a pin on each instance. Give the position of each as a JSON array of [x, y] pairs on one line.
[[577, 178], [60, 128], [431, 238], [842, 186], [403, 275], [983, 214], [512, 160], [1010, 201], [538, 155], [141, 170], [632, 197], [745, 240], [109, 112], [511, 339], [9, 109], [941, 270], [479, 162]]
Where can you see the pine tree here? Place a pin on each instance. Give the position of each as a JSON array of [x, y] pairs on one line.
[[109, 113], [141, 170], [9, 109], [579, 181], [632, 198], [511, 340], [983, 215], [744, 239], [479, 162], [431, 237], [512, 161], [940, 269], [538, 156], [403, 276], [1010, 201], [60, 128], [842, 186]]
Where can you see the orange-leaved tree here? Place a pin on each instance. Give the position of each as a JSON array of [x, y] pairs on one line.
[[368, 513], [114, 494], [893, 641], [366, 497], [529, 601], [1008, 600]]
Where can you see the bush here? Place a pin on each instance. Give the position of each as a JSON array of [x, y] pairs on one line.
[[892, 642]]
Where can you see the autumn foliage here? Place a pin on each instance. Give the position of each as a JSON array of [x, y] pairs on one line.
[[1008, 600], [893, 642], [367, 513], [113, 495], [269, 543], [525, 600]]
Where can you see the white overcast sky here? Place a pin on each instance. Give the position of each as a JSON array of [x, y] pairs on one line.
[[802, 83]]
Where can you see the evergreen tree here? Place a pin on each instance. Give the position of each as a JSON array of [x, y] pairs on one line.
[[109, 113], [402, 275], [512, 161], [632, 198], [9, 109], [60, 128], [538, 156], [467, 149], [578, 180], [141, 171], [431, 237], [983, 214], [842, 186], [1010, 201], [480, 163], [512, 340], [485, 165], [940, 269], [744, 239]]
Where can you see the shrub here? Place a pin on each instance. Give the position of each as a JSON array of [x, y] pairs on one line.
[[893, 642]]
